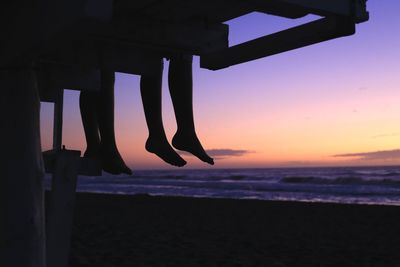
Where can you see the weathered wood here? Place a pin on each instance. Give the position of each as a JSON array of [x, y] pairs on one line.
[[60, 211], [99, 9], [130, 46], [126, 57], [80, 52], [300, 36], [193, 37], [81, 33], [346, 8], [86, 166], [53, 78], [211, 11], [28, 27], [142, 29], [22, 235], [58, 120], [217, 11]]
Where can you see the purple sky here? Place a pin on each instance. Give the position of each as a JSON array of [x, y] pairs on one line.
[[301, 106]]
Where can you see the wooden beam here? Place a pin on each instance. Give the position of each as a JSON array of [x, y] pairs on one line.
[[58, 120], [297, 37], [61, 208], [87, 166], [275, 9], [183, 11], [52, 78], [99, 9], [128, 57], [193, 38], [355, 9]]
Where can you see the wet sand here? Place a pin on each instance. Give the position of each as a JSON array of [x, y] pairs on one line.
[[111, 230]]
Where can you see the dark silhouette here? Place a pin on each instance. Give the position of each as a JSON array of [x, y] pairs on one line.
[[180, 87], [157, 143], [97, 111], [34, 30]]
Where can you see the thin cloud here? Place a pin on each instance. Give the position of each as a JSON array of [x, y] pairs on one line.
[[228, 152], [363, 88], [374, 155], [224, 152], [386, 135]]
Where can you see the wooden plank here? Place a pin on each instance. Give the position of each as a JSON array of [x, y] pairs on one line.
[[128, 57], [211, 11], [99, 9], [27, 28], [277, 9], [131, 46], [300, 36], [77, 50], [223, 10], [159, 28], [87, 166], [191, 38], [347, 8], [54, 77], [58, 120], [61, 208]]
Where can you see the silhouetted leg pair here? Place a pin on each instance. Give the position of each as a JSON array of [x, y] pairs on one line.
[[180, 87], [97, 111]]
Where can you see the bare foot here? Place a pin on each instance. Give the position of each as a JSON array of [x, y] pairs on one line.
[[164, 151], [112, 162], [190, 143]]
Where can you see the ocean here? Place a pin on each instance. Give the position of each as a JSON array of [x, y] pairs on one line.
[[355, 185]]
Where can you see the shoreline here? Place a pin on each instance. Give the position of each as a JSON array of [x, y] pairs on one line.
[[239, 199], [142, 230]]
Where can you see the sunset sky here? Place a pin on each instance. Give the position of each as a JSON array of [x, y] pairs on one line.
[[300, 108]]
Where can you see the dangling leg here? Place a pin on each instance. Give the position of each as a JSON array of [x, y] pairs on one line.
[[157, 143], [181, 90], [88, 106], [112, 161]]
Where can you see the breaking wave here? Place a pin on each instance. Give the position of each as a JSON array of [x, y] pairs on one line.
[[339, 181], [342, 185]]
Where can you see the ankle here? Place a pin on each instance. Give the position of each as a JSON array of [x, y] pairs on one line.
[[109, 147], [185, 133]]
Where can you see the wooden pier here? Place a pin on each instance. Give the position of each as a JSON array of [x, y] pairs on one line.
[[48, 46]]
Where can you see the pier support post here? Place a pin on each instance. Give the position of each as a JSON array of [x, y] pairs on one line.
[[60, 211], [22, 234]]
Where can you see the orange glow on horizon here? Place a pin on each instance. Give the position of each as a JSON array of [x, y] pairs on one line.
[[295, 109]]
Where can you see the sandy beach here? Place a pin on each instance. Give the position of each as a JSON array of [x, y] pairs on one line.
[[118, 230]]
